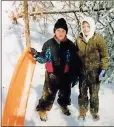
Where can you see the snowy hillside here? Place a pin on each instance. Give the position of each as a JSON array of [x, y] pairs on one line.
[[13, 44]]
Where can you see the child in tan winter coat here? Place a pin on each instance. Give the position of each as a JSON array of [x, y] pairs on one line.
[[94, 55]]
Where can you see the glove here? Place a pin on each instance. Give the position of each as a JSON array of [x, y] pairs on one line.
[[34, 53], [102, 75]]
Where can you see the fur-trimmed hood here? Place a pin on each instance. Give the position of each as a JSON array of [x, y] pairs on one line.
[[92, 27]]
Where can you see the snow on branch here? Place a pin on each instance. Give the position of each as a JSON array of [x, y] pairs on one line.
[[61, 12], [111, 10]]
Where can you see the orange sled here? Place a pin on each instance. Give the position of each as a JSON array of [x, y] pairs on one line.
[[18, 93]]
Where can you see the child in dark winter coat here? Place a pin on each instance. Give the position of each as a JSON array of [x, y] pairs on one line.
[[62, 64]]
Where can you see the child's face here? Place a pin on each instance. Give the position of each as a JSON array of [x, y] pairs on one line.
[[60, 34], [86, 28]]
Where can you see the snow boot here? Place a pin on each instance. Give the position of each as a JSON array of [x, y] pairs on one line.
[[65, 110], [43, 115], [95, 117], [82, 113], [49, 107]]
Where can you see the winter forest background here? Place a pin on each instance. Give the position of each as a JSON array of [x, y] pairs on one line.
[[42, 17]]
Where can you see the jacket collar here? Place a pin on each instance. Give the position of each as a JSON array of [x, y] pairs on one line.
[[65, 39], [82, 38]]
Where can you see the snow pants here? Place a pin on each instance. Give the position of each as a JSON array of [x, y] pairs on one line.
[[50, 89], [89, 81]]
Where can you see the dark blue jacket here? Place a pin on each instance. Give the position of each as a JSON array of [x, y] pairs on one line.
[[60, 57]]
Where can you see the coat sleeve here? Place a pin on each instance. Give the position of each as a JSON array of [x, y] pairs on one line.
[[103, 51], [42, 58], [76, 64]]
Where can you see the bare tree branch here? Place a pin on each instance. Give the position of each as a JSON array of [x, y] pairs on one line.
[[72, 30], [111, 27], [111, 10], [101, 23], [77, 21], [51, 3], [60, 12]]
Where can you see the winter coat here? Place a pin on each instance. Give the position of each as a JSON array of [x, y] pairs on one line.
[[92, 50], [60, 57], [94, 54]]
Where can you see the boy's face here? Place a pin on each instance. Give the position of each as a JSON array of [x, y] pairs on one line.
[[86, 28], [60, 34]]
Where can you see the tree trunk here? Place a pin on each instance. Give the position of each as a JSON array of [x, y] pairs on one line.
[[26, 21]]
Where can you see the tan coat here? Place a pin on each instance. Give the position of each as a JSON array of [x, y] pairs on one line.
[[94, 53]]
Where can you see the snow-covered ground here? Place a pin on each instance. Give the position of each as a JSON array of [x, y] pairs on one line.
[[13, 44]]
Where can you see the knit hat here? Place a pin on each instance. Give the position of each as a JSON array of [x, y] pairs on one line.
[[61, 23]]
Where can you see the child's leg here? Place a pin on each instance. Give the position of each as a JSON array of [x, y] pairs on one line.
[[48, 94], [64, 95], [64, 98], [94, 86], [83, 96]]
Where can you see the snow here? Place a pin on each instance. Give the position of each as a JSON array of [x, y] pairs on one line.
[[13, 44]]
